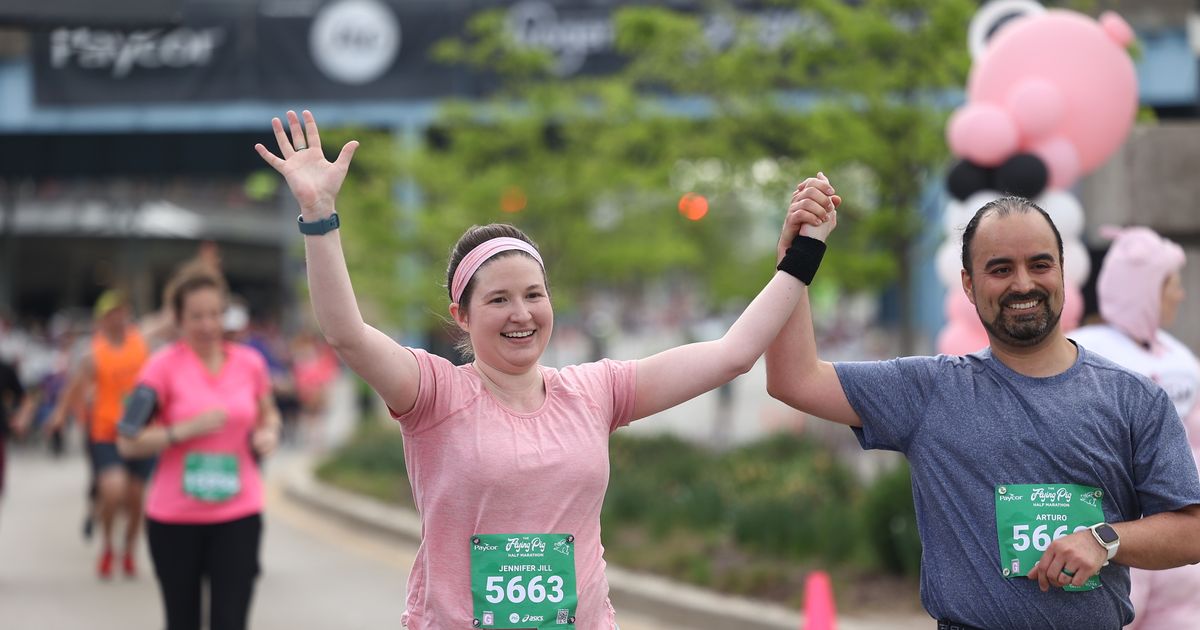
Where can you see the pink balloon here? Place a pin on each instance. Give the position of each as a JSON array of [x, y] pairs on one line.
[[957, 339], [959, 310], [1117, 28], [982, 133], [1036, 106], [1090, 71], [1072, 311], [963, 333], [1061, 160]]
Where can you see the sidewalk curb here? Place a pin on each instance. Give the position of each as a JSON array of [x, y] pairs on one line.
[[680, 604]]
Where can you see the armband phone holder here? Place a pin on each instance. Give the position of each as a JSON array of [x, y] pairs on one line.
[[139, 408]]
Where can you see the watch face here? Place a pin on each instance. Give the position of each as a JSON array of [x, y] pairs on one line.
[[1107, 534]]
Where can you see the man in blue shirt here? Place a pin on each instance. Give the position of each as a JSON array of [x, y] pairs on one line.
[[1034, 461]]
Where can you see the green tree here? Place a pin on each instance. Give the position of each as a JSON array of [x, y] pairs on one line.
[[595, 167]]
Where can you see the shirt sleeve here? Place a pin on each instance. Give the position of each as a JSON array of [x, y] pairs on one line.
[[623, 378], [442, 388], [888, 398], [1164, 470]]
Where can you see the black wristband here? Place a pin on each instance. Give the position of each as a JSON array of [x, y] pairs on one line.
[[317, 228], [802, 258]]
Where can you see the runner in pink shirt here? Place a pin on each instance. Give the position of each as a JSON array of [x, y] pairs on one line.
[[508, 459], [213, 418]]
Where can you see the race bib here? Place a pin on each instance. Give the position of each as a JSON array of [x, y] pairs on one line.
[[211, 477], [523, 580], [1031, 516]]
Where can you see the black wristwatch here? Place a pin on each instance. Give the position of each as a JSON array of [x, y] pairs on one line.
[[317, 228], [1107, 537]]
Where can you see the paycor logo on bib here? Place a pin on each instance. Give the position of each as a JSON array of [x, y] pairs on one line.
[[354, 41]]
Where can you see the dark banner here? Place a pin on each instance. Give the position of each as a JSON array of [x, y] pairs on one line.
[[92, 12], [357, 50], [310, 50], [341, 50], [90, 65]]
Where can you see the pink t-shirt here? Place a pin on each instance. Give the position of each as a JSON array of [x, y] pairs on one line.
[[477, 467], [186, 388]]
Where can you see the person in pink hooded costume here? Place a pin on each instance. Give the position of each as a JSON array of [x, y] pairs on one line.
[[1139, 291]]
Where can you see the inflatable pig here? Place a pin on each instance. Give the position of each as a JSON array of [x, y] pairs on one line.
[[1052, 94]]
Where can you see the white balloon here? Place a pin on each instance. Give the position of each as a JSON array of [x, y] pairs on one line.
[[949, 263], [979, 200], [1065, 210], [1077, 264], [955, 217]]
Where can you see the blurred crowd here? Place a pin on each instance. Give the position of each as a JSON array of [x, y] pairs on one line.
[[41, 353]]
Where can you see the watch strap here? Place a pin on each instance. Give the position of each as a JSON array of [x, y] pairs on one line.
[[317, 228]]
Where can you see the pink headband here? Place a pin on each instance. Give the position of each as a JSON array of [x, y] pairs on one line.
[[483, 253]]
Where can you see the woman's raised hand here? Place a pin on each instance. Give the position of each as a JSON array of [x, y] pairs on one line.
[[314, 181], [812, 212]]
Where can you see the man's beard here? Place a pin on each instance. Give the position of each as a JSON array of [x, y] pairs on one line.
[[1023, 330]]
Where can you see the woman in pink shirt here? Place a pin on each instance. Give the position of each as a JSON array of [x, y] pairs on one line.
[[508, 458], [214, 417]]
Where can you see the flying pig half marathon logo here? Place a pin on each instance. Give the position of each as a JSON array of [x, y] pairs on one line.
[[563, 547], [525, 547], [1050, 497]]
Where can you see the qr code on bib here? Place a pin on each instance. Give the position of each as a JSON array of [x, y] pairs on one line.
[[563, 615]]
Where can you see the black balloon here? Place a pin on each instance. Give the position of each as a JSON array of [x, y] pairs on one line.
[[1023, 174], [966, 179]]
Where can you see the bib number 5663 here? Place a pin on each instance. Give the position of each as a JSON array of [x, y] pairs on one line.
[[516, 592], [1040, 539]]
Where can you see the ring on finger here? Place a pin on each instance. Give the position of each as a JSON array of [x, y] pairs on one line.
[[1067, 572], [302, 147]]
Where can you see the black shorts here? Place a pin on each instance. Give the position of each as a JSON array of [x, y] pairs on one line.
[[105, 456]]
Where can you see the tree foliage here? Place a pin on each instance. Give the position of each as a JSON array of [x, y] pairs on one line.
[[735, 103]]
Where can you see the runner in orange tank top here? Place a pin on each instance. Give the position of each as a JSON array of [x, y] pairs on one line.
[[109, 369], [116, 368]]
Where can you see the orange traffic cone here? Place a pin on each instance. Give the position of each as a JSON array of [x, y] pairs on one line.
[[819, 612]]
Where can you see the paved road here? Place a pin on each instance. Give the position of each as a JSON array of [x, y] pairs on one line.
[[317, 572], [314, 576]]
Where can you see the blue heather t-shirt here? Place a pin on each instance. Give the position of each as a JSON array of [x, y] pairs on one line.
[[968, 424]]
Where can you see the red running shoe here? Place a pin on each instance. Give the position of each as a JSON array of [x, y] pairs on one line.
[[104, 567], [128, 565]]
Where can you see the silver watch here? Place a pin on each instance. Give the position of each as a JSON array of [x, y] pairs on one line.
[[1107, 537]]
